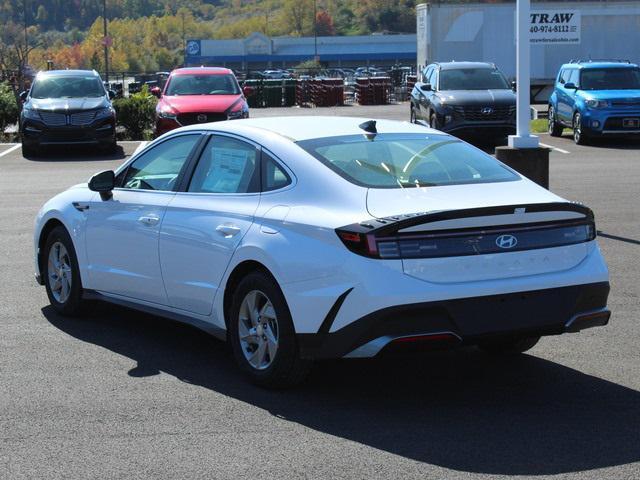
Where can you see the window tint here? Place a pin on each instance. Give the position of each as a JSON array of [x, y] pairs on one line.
[[273, 176], [433, 77], [564, 75], [227, 165], [426, 73], [406, 160], [573, 77], [611, 79], [158, 168], [472, 79], [68, 86]]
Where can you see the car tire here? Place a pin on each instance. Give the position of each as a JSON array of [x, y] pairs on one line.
[[508, 346], [61, 273], [29, 150], [262, 334], [433, 122], [111, 147], [579, 137], [555, 129]]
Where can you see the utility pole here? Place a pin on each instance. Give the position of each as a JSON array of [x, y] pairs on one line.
[[105, 41], [26, 35], [315, 30], [184, 37]]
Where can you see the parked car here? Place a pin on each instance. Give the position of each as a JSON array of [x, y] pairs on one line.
[[465, 98], [595, 99], [199, 95], [67, 107], [423, 241]]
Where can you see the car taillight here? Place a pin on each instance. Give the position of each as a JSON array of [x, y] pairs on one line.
[[465, 242], [360, 243]]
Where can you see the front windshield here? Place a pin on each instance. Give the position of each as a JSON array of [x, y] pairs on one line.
[[406, 160], [68, 86], [610, 79], [472, 79], [199, 84]]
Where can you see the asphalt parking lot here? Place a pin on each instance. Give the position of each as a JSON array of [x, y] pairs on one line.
[[119, 394]]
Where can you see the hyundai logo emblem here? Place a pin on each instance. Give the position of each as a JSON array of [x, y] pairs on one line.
[[487, 111], [506, 241], [202, 118]]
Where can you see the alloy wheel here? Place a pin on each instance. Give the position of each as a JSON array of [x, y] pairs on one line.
[[59, 272], [577, 129], [258, 330]]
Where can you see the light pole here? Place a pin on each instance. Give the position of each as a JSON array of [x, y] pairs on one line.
[[105, 41], [523, 139], [315, 30], [26, 37]]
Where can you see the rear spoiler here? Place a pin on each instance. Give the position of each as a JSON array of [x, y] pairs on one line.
[[384, 238], [391, 225]]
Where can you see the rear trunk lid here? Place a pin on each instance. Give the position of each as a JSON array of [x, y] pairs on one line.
[[468, 233]]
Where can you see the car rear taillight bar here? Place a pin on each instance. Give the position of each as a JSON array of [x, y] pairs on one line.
[[383, 238]]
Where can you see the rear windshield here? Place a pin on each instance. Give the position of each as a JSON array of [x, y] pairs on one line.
[[67, 86], [472, 79], [610, 79], [202, 85], [406, 160]]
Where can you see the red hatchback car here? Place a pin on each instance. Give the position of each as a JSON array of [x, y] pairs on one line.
[[199, 95]]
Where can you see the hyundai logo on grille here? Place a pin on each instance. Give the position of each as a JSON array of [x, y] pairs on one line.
[[202, 118], [506, 241], [487, 111]]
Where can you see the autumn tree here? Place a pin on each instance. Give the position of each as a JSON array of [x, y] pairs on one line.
[[324, 24]]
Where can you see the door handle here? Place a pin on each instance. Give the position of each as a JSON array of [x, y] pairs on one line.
[[149, 220], [228, 231]]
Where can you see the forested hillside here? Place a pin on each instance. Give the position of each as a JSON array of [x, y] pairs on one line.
[[149, 35]]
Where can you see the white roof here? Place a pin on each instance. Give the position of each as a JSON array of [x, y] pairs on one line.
[[308, 127]]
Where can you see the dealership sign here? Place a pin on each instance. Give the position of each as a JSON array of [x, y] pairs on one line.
[[554, 26]]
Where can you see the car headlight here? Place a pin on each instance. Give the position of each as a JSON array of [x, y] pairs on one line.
[[166, 112], [237, 114], [105, 112], [30, 113], [593, 103]]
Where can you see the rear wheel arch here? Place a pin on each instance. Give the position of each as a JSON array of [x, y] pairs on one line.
[[239, 272]]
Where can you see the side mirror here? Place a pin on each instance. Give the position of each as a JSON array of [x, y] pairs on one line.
[[426, 87], [247, 91], [156, 92], [24, 95], [104, 183], [112, 94], [570, 86], [514, 85]]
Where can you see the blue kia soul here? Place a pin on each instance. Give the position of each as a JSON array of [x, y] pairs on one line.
[[595, 99]]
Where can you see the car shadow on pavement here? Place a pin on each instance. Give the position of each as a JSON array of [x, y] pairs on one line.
[[461, 410], [76, 154]]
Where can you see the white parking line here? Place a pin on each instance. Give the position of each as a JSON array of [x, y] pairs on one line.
[[140, 147], [15, 147], [554, 148]]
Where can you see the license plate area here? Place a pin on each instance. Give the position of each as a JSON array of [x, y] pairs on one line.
[[630, 122]]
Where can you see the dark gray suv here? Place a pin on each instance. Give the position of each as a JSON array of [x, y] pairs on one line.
[[465, 99], [67, 107]]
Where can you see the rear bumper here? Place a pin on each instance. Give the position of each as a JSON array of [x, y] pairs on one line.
[[466, 321]]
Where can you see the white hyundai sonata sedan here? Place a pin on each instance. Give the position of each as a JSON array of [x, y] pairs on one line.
[[308, 238]]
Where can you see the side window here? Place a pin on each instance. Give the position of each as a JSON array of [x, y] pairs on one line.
[[227, 165], [426, 73], [562, 78], [273, 176], [159, 168], [574, 77], [433, 78]]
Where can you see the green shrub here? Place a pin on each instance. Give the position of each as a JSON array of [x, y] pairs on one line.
[[9, 109], [137, 114]]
